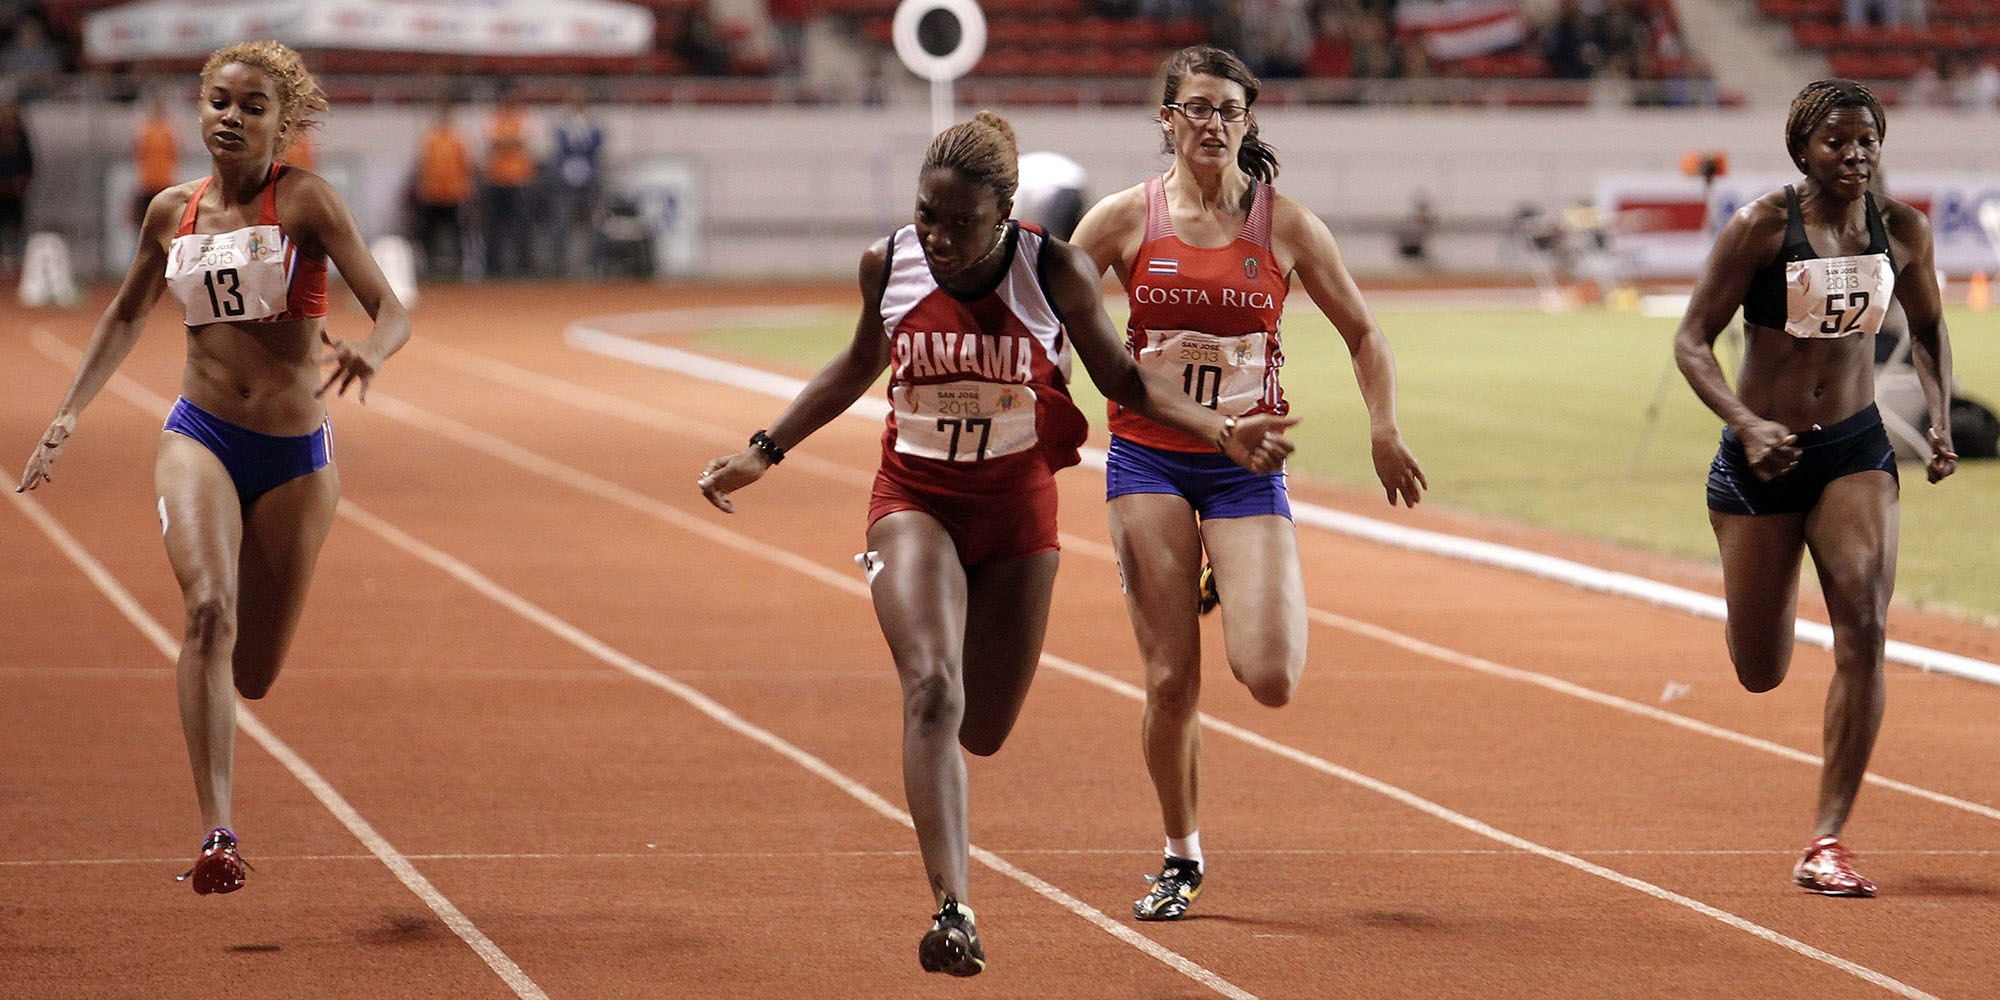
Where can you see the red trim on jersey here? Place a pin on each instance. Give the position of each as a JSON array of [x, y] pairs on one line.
[[305, 278]]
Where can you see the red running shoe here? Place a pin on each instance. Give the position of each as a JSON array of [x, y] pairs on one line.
[[1828, 869], [220, 868]]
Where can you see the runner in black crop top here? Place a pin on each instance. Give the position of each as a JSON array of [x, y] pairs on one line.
[[1765, 303], [1804, 460]]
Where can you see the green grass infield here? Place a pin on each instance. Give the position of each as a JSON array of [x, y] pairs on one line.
[[1576, 422]]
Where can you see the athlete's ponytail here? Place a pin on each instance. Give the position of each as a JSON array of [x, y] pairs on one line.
[[1255, 156]]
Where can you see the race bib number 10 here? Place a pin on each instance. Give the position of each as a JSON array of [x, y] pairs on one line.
[[964, 421], [1225, 374]]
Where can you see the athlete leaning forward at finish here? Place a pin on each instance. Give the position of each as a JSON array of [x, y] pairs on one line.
[[1804, 461], [245, 475], [1206, 254], [975, 317]]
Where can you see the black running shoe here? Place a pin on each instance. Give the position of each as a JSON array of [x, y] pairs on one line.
[[952, 944], [1177, 885], [1209, 597]]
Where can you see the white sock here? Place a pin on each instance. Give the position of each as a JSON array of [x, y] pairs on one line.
[[1188, 847]]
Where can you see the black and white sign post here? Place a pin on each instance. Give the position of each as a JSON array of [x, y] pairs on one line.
[[940, 40]]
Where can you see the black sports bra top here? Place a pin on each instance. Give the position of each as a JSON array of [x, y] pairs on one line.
[[1809, 296]]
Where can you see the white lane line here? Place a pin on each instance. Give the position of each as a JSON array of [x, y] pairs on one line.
[[715, 710], [589, 335], [513, 454], [597, 401], [510, 453], [1100, 852], [1638, 708], [1490, 832], [378, 846]]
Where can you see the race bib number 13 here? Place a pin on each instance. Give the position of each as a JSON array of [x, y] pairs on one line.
[[964, 421]]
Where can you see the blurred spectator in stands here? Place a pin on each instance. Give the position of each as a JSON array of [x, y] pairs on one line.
[[154, 157], [699, 44], [1978, 86], [31, 62], [301, 154], [1566, 44], [1927, 87], [579, 150], [788, 35], [510, 169], [875, 80], [1618, 31], [1612, 89], [1176, 10], [443, 190], [1277, 37], [1862, 13], [1373, 55], [1413, 233], [17, 170], [1333, 49]]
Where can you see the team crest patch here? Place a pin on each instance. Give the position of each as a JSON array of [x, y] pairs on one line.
[[1250, 268]]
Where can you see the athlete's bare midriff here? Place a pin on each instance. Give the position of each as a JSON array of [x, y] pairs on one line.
[[1800, 382], [257, 376]]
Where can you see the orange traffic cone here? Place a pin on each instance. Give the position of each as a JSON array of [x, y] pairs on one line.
[[1978, 297]]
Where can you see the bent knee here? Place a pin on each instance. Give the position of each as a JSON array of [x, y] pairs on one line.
[[981, 744], [1271, 672], [932, 701], [254, 686], [1273, 690], [1761, 672], [1174, 693], [211, 621]]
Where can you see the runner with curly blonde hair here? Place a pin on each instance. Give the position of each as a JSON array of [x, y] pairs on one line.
[[245, 478]]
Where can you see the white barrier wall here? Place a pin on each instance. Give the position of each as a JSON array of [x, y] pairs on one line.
[[802, 191]]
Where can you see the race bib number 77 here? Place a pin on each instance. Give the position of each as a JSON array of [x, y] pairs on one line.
[[964, 421]]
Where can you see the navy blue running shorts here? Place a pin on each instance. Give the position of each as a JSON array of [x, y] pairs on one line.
[[1856, 444]]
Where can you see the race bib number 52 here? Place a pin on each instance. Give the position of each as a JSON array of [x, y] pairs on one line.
[[964, 421]]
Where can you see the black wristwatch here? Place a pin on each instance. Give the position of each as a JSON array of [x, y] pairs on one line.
[[762, 442]]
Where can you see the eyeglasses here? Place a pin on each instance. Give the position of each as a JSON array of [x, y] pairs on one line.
[[1199, 111]]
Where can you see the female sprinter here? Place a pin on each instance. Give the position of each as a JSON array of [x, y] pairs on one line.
[[974, 316], [245, 472], [1804, 460], [1206, 254]]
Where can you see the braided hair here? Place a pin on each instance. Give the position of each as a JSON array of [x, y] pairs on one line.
[[982, 151], [1821, 98], [1255, 157]]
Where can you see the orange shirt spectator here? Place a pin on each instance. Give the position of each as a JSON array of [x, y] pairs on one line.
[[154, 157], [508, 162], [300, 154], [444, 171]]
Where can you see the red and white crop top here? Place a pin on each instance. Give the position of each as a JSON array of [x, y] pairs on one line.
[[253, 274]]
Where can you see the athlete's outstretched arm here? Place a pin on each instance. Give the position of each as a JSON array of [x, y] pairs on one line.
[[1303, 237], [1257, 442], [1930, 345], [1751, 238], [829, 394], [328, 227], [117, 330]]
